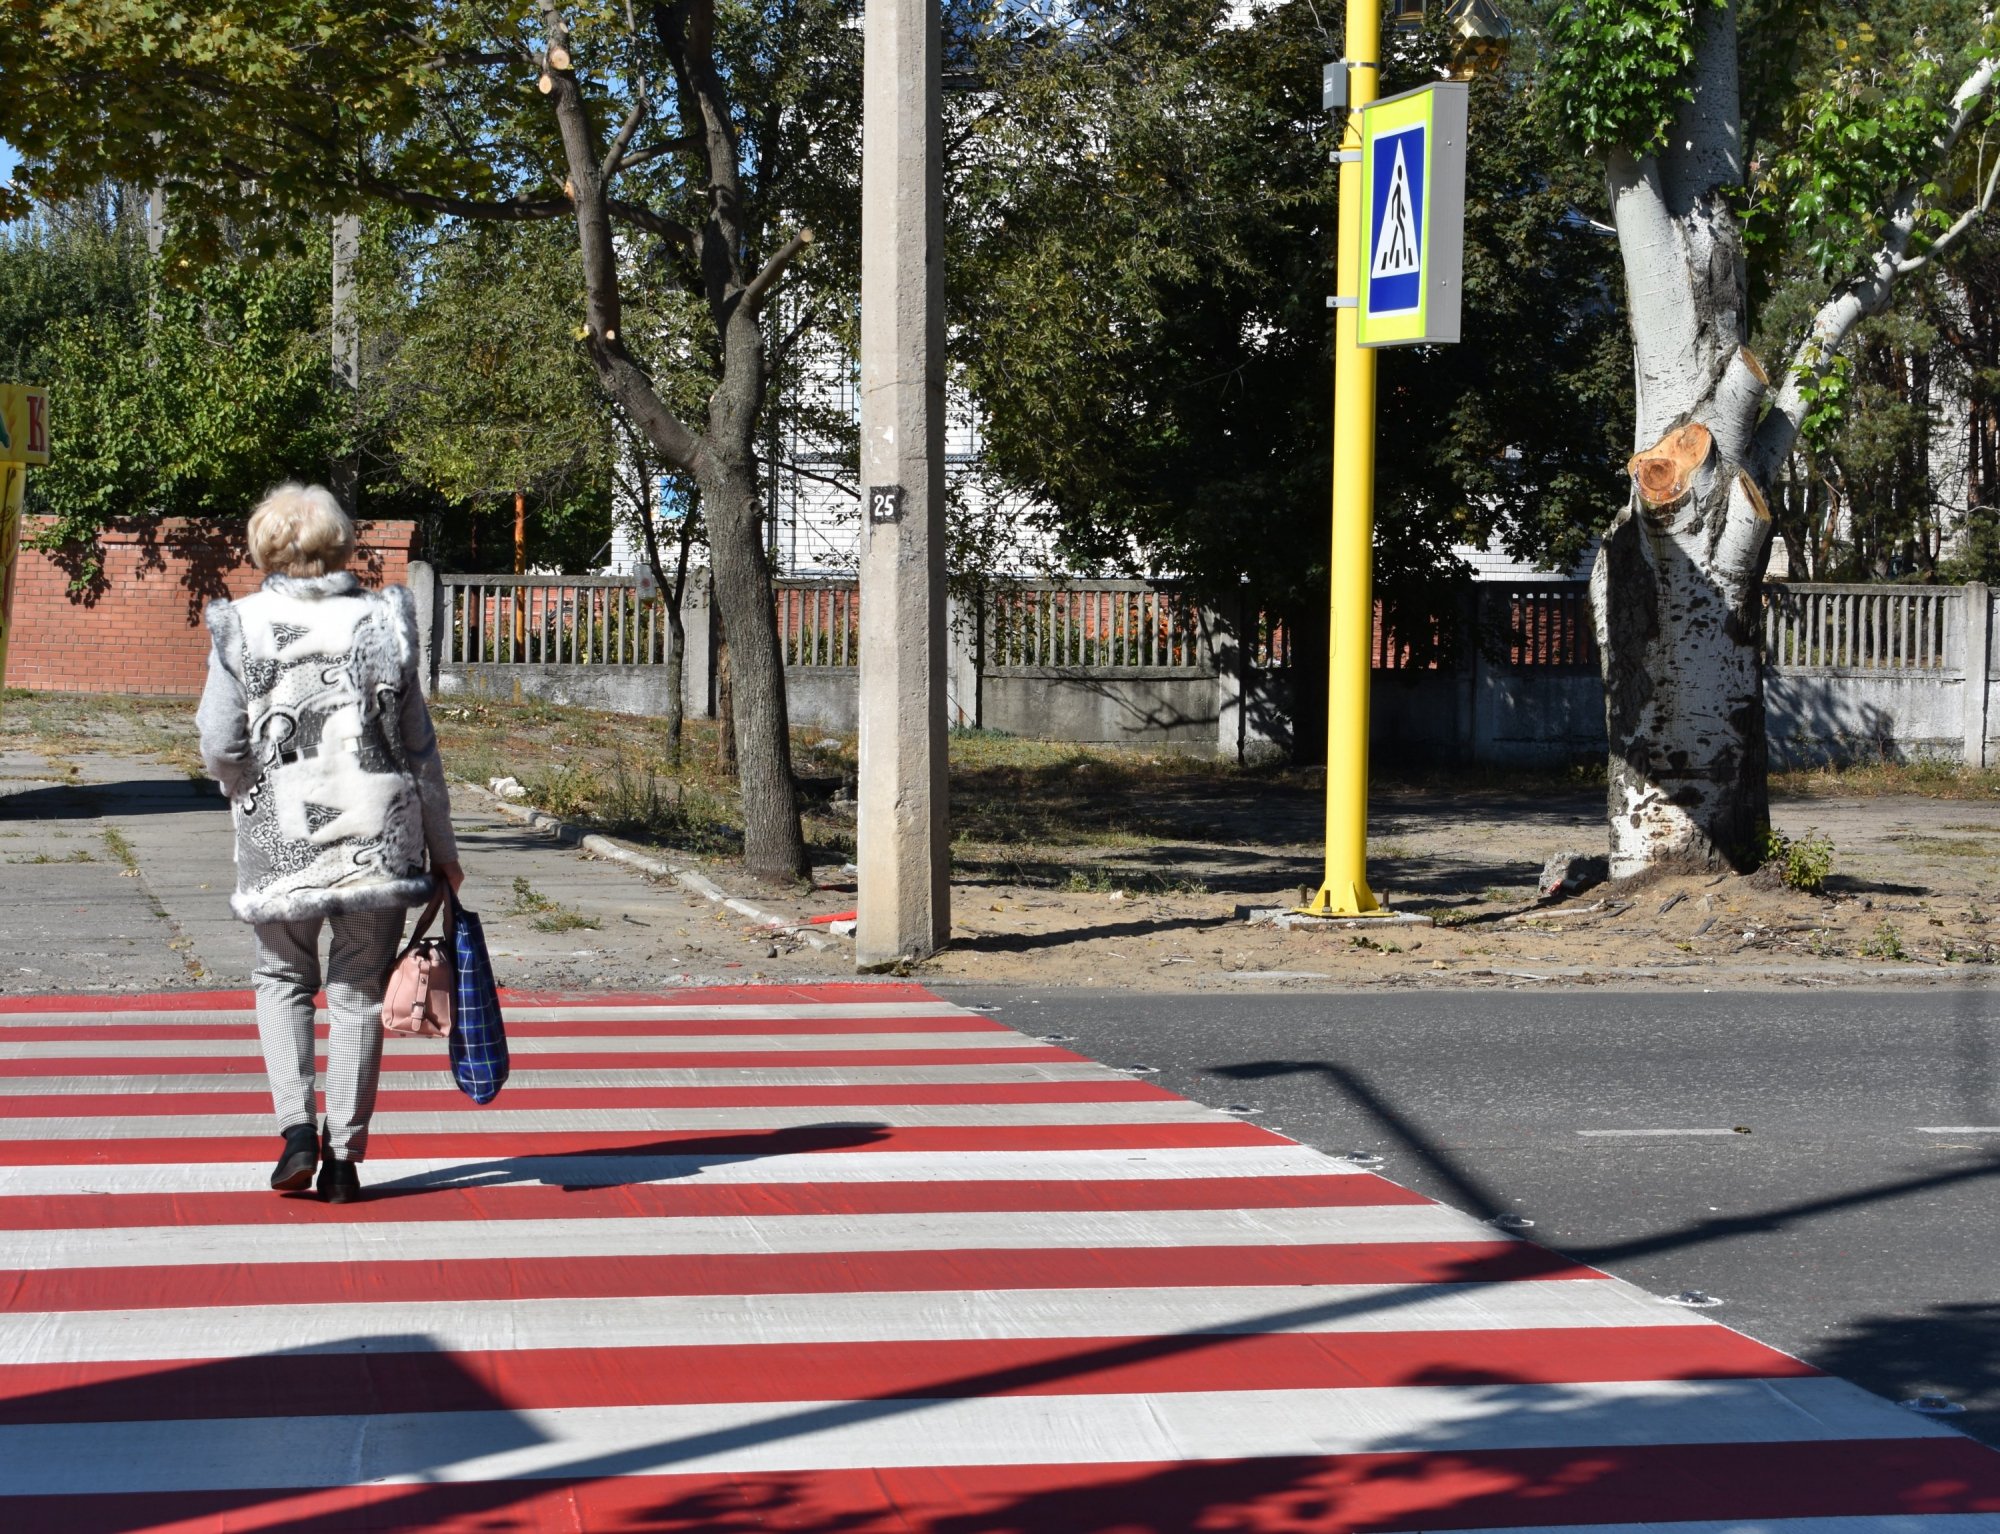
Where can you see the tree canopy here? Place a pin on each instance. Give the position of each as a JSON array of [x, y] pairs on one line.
[[1143, 247]]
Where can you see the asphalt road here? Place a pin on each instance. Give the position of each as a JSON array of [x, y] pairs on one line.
[[1778, 1151]]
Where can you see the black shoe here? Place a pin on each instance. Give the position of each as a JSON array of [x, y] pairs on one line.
[[339, 1183], [295, 1165]]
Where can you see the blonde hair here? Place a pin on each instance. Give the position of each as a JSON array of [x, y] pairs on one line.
[[300, 530]]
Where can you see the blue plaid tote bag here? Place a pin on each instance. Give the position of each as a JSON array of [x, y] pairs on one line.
[[478, 1038]]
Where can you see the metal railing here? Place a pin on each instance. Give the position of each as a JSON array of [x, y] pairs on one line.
[[819, 622], [565, 620], [1094, 625], [1136, 626], [1864, 629], [1549, 626]]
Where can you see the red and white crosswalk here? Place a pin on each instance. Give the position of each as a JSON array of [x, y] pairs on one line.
[[834, 1259]]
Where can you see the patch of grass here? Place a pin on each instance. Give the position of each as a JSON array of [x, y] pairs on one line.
[[1948, 847], [1374, 946], [1930, 777], [1802, 862], [78, 856], [568, 789], [544, 914], [1887, 943], [670, 811], [122, 850]]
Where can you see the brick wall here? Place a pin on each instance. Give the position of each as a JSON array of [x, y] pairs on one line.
[[139, 630]]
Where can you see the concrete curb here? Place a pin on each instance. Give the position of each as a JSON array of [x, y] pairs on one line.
[[653, 868]]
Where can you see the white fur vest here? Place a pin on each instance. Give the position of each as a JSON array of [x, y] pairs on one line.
[[328, 817]]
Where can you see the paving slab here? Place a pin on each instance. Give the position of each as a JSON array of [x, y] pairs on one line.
[[145, 903]]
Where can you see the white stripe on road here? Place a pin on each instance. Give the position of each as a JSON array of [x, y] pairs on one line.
[[503, 1121], [601, 1171], [86, 1048], [521, 1013], [69, 1459], [1960, 1129], [663, 1076], [762, 1235], [480, 1326], [1652, 1134]]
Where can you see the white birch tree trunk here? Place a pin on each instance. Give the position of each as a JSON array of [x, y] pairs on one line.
[[1676, 589]]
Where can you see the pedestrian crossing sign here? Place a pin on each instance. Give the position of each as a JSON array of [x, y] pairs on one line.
[[1413, 225]]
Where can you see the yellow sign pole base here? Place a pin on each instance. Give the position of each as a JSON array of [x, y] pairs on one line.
[[1344, 900]]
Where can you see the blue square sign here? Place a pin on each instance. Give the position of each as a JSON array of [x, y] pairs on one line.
[[1396, 222]]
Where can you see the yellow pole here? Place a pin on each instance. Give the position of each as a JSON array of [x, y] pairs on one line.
[[1344, 891]]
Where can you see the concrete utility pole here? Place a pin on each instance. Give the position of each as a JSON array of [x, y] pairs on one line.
[[346, 469], [904, 857]]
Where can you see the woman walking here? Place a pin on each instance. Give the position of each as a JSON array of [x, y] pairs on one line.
[[314, 724]]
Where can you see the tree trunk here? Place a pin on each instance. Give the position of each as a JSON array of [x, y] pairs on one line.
[[748, 603], [1678, 593], [1676, 590], [676, 674]]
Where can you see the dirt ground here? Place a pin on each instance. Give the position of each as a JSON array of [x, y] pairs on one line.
[[1105, 868]]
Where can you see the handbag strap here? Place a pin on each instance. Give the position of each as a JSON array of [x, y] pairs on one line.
[[430, 914]]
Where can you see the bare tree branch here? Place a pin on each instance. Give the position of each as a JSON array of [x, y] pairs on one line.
[[760, 286], [846, 486], [640, 216], [637, 157], [1950, 237], [511, 210], [614, 157]]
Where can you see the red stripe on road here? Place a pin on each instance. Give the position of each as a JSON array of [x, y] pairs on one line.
[[505, 1146], [1351, 1494], [56, 1105], [330, 1384], [124, 1211], [607, 1060], [510, 1278], [626, 1027]]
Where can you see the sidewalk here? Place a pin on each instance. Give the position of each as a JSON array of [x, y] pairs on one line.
[[836, 1259], [118, 879]]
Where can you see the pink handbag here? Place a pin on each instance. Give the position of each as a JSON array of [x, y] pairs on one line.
[[417, 1002]]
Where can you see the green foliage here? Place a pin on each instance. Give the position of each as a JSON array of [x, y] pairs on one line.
[[1141, 239], [1803, 863], [186, 401], [1621, 69], [474, 381], [1887, 943], [1856, 134]]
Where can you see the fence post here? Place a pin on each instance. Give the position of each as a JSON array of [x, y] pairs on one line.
[[1226, 657], [1976, 629], [698, 660], [423, 582], [961, 662], [1472, 676]]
